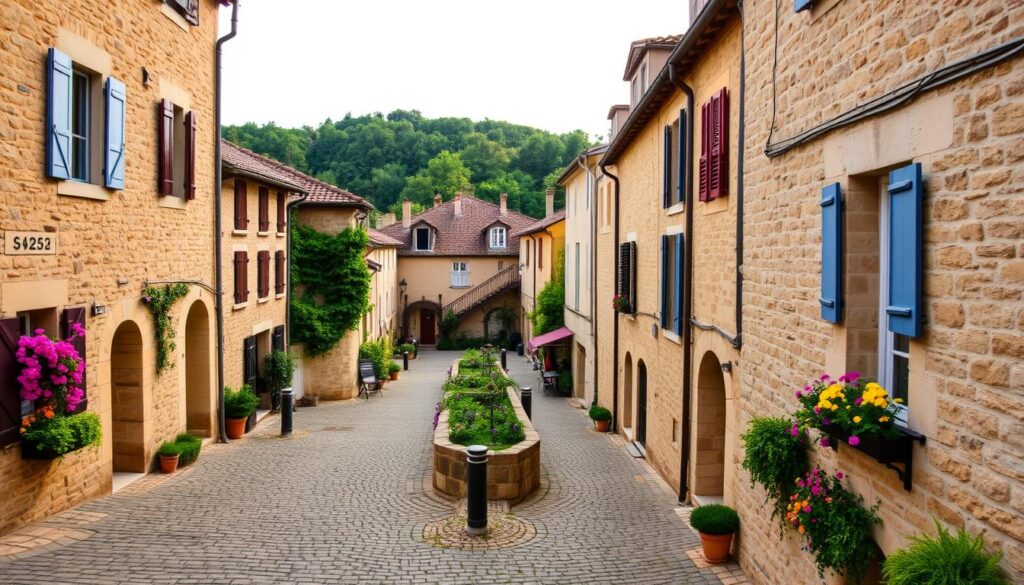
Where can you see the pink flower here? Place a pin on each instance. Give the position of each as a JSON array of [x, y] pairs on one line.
[[839, 475], [794, 431], [853, 376], [807, 509], [854, 440], [858, 401], [815, 489], [817, 410], [824, 442], [799, 394]]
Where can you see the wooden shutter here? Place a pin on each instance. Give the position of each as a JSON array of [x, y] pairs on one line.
[[279, 268], [683, 185], [58, 115], [705, 112], [264, 209], [718, 173], [666, 288], [282, 206], [113, 169], [831, 253], [241, 203], [680, 264], [540, 253], [666, 168], [249, 365], [10, 390], [262, 274], [627, 273], [68, 318], [241, 277], [278, 338], [906, 200], [165, 157], [190, 156]]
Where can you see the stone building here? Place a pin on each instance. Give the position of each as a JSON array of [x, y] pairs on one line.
[[382, 258], [541, 248], [108, 186], [459, 256], [884, 221]]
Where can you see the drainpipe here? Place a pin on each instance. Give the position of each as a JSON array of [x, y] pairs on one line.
[[738, 343], [684, 451], [615, 334], [218, 236]]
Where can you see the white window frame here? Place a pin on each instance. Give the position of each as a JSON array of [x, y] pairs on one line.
[[84, 110], [416, 239], [576, 270], [887, 351], [499, 238], [460, 274]]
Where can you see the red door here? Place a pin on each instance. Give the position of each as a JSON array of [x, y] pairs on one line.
[[428, 335]]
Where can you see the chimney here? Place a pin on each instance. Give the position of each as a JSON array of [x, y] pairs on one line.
[[458, 204], [549, 202], [385, 220], [406, 213], [437, 198], [504, 203]]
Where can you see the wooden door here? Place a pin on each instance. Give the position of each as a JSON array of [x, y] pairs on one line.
[[641, 404], [428, 335]]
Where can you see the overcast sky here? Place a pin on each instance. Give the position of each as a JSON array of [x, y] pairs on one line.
[[553, 64]]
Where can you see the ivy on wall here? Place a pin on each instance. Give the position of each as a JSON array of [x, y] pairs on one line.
[[160, 299], [332, 284]]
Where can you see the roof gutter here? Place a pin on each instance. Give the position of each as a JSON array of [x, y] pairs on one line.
[[615, 321], [237, 172], [217, 212]]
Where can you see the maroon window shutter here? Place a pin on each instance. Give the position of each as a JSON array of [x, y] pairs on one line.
[[264, 209], [68, 318], [540, 254], [719, 172], [262, 274], [241, 200], [165, 158], [281, 206], [10, 390], [705, 112], [190, 156], [241, 277], [279, 272]]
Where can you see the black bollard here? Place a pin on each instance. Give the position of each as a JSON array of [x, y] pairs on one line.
[[405, 360], [287, 406], [519, 350], [476, 490], [504, 359], [526, 397]]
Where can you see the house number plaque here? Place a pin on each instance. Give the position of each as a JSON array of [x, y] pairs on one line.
[[30, 243]]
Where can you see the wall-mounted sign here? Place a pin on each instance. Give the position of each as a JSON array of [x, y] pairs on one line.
[[30, 243]]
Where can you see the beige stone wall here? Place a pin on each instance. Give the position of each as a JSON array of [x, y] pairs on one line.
[[579, 225], [605, 283], [110, 242], [967, 369]]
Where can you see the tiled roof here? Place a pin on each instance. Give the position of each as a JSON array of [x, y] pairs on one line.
[[381, 240], [460, 236], [638, 48], [542, 224], [572, 167], [246, 162]]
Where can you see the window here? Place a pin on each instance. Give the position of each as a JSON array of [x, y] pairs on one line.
[[672, 162], [714, 146], [626, 278], [499, 237], [672, 283], [576, 270], [460, 275], [528, 253], [80, 126], [540, 253], [241, 277], [643, 79], [279, 272], [176, 161], [262, 274], [264, 209], [241, 204], [282, 207], [188, 9], [422, 240]]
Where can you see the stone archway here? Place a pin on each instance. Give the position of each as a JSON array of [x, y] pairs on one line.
[[413, 313], [198, 398], [127, 400], [709, 463]]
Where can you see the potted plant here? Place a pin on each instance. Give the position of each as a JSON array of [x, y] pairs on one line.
[[716, 524], [278, 368], [393, 370], [944, 558], [409, 349], [621, 304], [238, 405], [602, 418], [189, 446], [169, 453]]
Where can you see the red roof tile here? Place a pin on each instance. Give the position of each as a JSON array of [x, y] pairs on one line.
[[381, 240], [541, 225], [245, 162]]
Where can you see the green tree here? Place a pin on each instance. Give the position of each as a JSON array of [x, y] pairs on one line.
[[549, 313], [485, 157], [445, 173]]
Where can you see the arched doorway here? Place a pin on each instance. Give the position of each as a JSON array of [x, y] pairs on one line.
[[421, 320], [198, 408], [627, 394], [709, 469], [127, 400], [641, 403]]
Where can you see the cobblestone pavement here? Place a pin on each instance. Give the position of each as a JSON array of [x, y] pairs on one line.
[[346, 500]]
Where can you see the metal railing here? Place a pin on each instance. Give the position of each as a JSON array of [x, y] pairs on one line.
[[496, 284]]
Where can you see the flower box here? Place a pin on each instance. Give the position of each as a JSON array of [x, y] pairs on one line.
[[30, 452], [889, 451]]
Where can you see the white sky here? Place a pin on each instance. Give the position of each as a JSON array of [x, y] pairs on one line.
[[554, 64]]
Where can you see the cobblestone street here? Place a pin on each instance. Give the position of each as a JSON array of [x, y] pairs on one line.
[[346, 500]]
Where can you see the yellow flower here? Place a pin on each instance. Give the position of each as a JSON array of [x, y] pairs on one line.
[[856, 419], [881, 403], [898, 400], [835, 407], [883, 419]]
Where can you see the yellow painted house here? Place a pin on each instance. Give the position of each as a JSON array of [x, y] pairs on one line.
[[541, 252]]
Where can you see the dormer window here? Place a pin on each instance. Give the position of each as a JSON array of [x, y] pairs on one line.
[[499, 237], [421, 239]]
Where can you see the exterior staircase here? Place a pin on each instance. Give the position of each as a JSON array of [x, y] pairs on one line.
[[505, 280]]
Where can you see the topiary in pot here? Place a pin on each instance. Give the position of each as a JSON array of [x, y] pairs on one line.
[[944, 559], [716, 524], [238, 406], [602, 418], [169, 454]]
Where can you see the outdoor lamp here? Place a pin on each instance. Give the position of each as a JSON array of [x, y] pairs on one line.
[[403, 285]]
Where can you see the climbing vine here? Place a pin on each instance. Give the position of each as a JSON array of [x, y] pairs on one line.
[[332, 286], [160, 299]]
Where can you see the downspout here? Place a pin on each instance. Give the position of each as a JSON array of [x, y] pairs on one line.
[[615, 334], [738, 343], [217, 213], [684, 451]]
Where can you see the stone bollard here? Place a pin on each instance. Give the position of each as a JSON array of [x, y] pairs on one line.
[[526, 397], [476, 490], [405, 360], [287, 406]]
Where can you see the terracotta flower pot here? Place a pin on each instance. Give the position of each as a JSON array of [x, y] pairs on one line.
[[393, 376], [168, 463], [235, 427], [716, 547], [602, 425]]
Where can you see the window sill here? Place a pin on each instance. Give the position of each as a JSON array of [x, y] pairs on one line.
[[262, 300], [83, 190], [239, 306], [263, 234], [174, 17], [671, 336], [172, 202], [467, 286], [676, 208], [281, 234], [239, 232], [279, 296]]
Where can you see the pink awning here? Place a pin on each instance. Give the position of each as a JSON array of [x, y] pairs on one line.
[[549, 337]]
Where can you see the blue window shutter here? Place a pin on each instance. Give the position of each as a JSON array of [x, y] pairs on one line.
[[831, 298], [58, 115], [801, 5], [113, 169], [666, 168], [680, 260], [664, 282], [684, 183], [906, 196]]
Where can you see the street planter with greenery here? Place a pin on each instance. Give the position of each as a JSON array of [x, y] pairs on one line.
[[182, 451], [479, 409], [393, 370], [169, 453], [944, 559], [238, 405], [716, 524], [378, 352], [602, 418], [278, 369], [409, 349]]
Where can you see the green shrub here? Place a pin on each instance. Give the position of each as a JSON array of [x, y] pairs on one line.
[[87, 427], [378, 352], [278, 368], [190, 446], [241, 403], [715, 519], [407, 348], [170, 449], [449, 323], [56, 434], [944, 559], [445, 344], [774, 455], [600, 413], [394, 368]]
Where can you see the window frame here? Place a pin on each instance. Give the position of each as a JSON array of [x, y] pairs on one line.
[[81, 111], [888, 352], [416, 242], [460, 274], [496, 242]]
